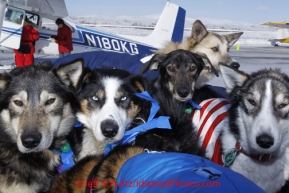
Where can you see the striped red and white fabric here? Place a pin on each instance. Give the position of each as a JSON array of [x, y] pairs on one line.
[[210, 122]]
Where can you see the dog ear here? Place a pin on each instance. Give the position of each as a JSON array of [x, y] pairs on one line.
[[205, 59], [5, 80], [70, 73], [153, 64], [232, 38], [199, 31], [232, 77], [141, 84]]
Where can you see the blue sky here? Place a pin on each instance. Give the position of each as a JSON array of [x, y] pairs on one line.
[[252, 11]]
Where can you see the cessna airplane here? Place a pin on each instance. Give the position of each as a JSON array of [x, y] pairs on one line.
[[282, 33], [170, 26]]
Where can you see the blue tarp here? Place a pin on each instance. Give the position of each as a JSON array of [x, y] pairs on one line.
[[179, 172], [97, 59]]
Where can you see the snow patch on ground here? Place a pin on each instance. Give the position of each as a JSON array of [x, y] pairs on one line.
[[254, 34]]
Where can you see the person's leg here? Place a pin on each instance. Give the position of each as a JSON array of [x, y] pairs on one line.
[[29, 59], [19, 59], [66, 53]]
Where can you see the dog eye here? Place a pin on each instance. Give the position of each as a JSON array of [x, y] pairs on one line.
[[192, 68], [171, 69], [252, 102], [95, 98], [123, 98], [18, 103], [281, 106], [50, 101], [215, 49]]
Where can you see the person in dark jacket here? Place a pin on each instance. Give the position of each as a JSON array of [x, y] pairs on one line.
[[63, 38], [24, 56]]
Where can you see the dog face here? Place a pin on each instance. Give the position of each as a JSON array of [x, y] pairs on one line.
[[179, 71], [36, 107], [108, 103], [215, 46], [260, 109]]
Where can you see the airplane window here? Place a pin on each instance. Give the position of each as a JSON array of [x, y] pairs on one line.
[[48, 24], [14, 16]]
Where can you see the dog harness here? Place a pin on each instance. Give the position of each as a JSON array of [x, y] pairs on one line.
[[66, 157], [161, 122], [210, 122]]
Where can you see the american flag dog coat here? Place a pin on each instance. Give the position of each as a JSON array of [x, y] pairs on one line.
[[210, 121]]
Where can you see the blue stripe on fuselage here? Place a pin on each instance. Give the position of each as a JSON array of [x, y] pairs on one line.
[[98, 40]]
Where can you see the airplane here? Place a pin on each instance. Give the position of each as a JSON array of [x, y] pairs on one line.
[[282, 33], [170, 26]]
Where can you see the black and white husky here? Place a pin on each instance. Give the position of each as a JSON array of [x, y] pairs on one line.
[[256, 134]]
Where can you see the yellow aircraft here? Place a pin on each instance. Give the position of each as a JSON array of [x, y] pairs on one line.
[[282, 34]]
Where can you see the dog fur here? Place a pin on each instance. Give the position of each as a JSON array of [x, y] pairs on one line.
[[109, 107], [215, 46], [258, 119], [106, 169], [178, 73], [37, 112], [181, 138]]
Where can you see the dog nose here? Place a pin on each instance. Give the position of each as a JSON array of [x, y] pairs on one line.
[[31, 140], [265, 141], [109, 128], [183, 92], [235, 65]]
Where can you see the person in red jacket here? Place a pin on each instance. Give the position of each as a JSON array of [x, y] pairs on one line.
[[24, 55], [63, 38]]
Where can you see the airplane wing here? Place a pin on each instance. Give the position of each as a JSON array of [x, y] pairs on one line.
[[54, 8], [277, 24], [283, 40]]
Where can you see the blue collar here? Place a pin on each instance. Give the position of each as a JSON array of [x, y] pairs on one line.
[[66, 157], [194, 105], [161, 122]]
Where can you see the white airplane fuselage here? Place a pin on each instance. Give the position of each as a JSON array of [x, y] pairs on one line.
[[169, 27]]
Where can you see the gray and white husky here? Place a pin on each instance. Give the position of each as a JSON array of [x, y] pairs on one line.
[[256, 136]]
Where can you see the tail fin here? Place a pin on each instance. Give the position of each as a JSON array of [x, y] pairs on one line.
[[170, 26], [282, 33]]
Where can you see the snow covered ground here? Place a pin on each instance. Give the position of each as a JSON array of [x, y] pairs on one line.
[[254, 34]]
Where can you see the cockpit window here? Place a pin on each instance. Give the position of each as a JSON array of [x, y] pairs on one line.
[[16, 16]]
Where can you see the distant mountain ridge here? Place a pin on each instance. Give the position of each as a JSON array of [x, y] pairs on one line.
[[254, 34], [151, 20]]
